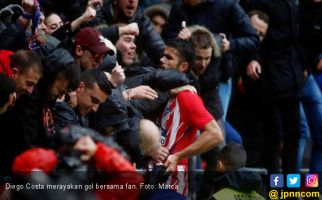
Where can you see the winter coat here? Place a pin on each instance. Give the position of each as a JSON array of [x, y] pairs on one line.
[[209, 87], [65, 115], [282, 56], [113, 112], [160, 80], [35, 110], [156, 78]]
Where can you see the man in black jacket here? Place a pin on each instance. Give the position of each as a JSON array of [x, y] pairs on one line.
[[281, 78], [91, 92], [126, 12]]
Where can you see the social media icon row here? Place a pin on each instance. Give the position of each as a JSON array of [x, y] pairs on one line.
[[294, 180]]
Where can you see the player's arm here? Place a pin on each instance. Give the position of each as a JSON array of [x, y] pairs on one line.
[[210, 136]]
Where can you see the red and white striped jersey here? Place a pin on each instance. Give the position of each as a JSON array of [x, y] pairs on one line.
[[183, 116]]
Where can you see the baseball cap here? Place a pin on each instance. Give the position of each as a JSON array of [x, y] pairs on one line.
[[92, 40]]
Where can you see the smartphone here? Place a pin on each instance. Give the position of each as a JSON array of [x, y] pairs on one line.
[[183, 24]]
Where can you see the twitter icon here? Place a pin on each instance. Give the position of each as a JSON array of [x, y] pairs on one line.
[[293, 181]]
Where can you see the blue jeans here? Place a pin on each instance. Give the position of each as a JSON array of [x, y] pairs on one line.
[[232, 135], [304, 136], [225, 94], [318, 79], [312, 104]]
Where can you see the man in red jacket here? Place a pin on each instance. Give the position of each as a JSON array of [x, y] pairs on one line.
[[24, 67]]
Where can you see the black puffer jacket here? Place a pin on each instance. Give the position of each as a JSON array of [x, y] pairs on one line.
[[65, 115], [112, 113], [282, 55], [156, 78], [160, 80], [115, 111], [148, 40], [121, 117]]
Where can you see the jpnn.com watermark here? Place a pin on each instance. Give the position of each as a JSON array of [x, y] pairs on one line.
[[274, 194]]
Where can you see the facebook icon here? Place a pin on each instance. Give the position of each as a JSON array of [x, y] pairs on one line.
[[277, 180]]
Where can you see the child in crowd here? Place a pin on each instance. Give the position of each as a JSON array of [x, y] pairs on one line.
[[233, 179]]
